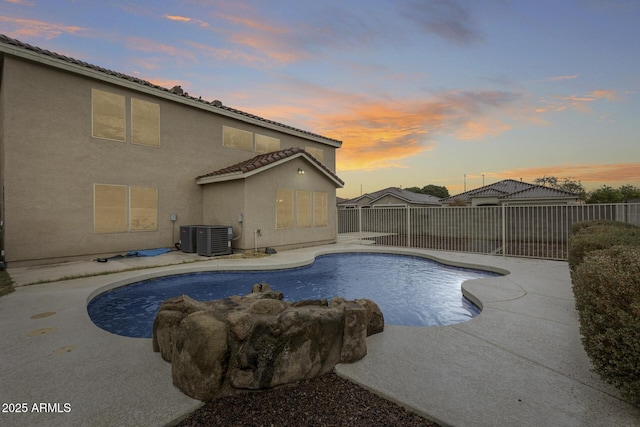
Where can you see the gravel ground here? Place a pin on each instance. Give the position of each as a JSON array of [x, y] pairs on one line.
[[327, 400]]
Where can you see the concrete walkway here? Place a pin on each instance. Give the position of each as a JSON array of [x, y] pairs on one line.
[[519, 363]]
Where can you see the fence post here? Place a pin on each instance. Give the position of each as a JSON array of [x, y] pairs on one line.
[[408, 226], [504, 230]]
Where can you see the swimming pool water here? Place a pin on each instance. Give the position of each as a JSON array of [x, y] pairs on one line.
[[410, 291]]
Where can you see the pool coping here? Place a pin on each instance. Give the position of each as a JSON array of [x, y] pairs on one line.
[[520, 362]]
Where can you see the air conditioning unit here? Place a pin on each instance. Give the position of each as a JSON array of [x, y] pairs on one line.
[[188, 238], [213, 240]]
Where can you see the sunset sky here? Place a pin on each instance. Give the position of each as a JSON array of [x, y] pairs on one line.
[[419, 91]]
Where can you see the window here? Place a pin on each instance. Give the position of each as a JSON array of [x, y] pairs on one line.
[[245, 140], [303, 208], [118, 208], [315, 152], [237, 138], [143, 202], [145, 123], [320, 209], [266, 144], [109, 208], [284, 208], [108, 119], [308, 208], [108, 115]]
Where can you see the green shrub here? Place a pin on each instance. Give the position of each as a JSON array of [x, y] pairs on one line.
[[584, 225], [607, 292], [595, 235]]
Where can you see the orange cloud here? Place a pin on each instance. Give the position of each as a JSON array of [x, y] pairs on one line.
[[179, 18], [33, 28], [383, 133], [272, 48], [378, 135], [165, 83], [585, 173], [481, 128], [609, 95], [375, 135]]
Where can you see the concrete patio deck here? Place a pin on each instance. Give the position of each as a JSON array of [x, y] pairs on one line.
[[519, 363]]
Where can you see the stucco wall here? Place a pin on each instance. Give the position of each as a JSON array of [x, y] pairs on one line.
[[222, 203], [52, 163]]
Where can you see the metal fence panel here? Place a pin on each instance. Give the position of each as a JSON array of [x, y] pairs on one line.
[[536, 231]]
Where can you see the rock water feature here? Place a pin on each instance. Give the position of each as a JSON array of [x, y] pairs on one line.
[[258, 341]]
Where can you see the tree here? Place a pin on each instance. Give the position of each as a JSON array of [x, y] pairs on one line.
[[565, 184], [438, 191], [629, 192], [607, 194], [414, 189]]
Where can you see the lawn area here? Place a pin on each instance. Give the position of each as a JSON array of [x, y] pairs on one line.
[[6, 284]]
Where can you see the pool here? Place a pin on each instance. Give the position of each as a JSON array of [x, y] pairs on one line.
[[410, 290]]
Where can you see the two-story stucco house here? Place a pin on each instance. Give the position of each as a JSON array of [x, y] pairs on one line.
[[96, 162]]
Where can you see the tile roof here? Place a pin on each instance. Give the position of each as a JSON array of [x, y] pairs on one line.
[[406, 195], [539, 192], [175, 91], [255, 164], [512, 189]]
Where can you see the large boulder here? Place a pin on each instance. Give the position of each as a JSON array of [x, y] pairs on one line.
[[258, 341]]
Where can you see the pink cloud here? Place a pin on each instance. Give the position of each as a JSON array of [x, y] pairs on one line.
[[560, 78], [582, 103], [151, 46], [225, 54], [27, 28], [275, 43], [21, 2]]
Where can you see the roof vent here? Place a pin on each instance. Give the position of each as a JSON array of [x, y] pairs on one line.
[[217, 103], [177, 90]]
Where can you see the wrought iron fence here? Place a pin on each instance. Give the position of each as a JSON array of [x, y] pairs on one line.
[[536, 231]]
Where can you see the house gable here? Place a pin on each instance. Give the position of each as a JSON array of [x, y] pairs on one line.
[[267, 161], [279, 206]]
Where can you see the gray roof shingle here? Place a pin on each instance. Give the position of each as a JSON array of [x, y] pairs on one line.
[[512, 189], [406, 195]]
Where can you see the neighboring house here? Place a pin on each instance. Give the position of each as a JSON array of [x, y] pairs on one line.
[[512, 192], [389, 197], [95, 162]]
